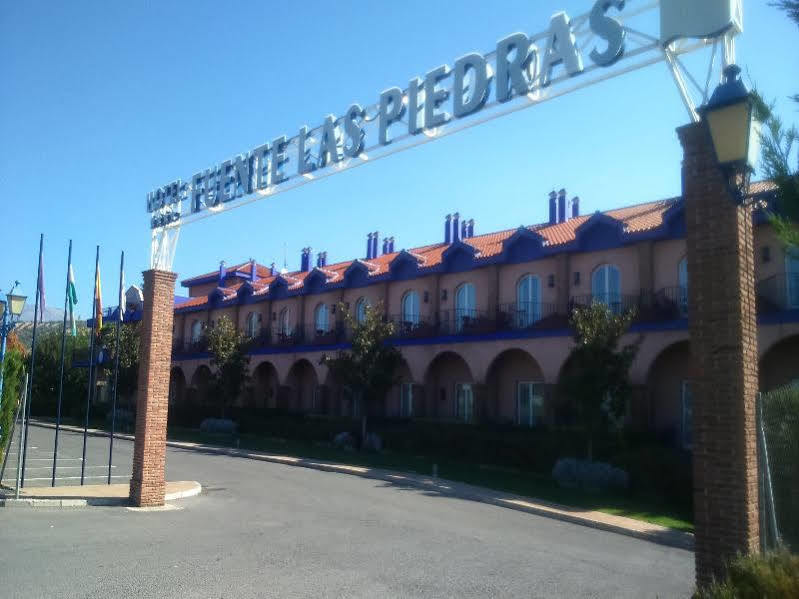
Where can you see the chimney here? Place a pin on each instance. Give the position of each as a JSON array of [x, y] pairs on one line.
[[222, 273], [369, 246], [385, 245], [324, 258], [575, 207], [464, 229], [455, 224], [553, 207], [448, 229], [273, 269], [471, 228], [375, 236], [320, 261], [564, 215], [305, 260], [253, 272], [390, 245]]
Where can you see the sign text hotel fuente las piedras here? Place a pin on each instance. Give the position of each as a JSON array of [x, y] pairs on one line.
[[521, 71]]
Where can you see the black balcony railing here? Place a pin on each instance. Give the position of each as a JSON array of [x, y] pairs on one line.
[[530, 315], [182, 346], [778, 293]]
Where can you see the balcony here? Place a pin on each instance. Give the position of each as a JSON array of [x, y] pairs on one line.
[[778, 293], [182, 346]]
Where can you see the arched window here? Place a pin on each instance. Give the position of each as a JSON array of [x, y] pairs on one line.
[[682, 291], [253, 325], [320, 318], [528, 301], [465, 306], [196, 331], [410, 308], [360, 310], [284, 323], [606, 287]]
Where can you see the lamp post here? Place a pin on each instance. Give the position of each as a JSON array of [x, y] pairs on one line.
[[734, 131], [10, 310]]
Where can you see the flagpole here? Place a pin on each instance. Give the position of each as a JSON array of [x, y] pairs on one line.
[[91, 366], [33, 358], [61, 375], [120, 316]]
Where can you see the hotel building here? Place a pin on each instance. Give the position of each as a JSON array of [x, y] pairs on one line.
[[482, 320]]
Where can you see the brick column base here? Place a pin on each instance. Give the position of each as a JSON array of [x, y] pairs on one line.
[[723, 327], [147, 485]]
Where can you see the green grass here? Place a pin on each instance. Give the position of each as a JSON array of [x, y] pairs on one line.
[[648, 508]]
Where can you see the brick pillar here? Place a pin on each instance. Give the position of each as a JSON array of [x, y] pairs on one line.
[[721, 296], [155, 356]]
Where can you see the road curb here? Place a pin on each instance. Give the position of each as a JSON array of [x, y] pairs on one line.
[[659, 535]]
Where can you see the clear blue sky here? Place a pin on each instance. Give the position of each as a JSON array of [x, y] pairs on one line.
[[103, 101]]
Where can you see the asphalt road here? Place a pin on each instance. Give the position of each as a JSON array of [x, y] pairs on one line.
[[267, 530]]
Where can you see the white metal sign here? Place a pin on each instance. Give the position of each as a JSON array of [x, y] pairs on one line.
[[522, 70]]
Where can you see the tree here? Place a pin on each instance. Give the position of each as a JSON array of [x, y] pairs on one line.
[[597, 373], [128, 355], [777, 156], [13, 369], [44, 393], [368, 370], [229, 360]]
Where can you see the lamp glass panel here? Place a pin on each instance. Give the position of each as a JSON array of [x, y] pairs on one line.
[[754, 143], [729, 128], [16, 303]]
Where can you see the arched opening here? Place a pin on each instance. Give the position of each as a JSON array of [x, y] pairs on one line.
[[465, 306], [450, 389], [201, 386], [606, 287], [253, 325], [265, 386], [779, 366], [302, 384], [528, 301], [177, 386], [515, 389], [405, 399], [669, 394], [410, 308], [360, 310]]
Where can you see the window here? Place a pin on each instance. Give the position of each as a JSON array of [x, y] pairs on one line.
[[529, 403], [792, 279], [682, 291], [253, 325], [196, 331], [284, 323], [320, 318], [360, 310], [464, 408], [528, 301], [606, 287], [406, 400], [687, 403], [410, 308], [465, 308]]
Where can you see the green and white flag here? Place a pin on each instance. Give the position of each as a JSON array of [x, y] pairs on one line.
[[72, 299]]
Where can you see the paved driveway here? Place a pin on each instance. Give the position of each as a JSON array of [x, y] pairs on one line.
[[268, 530]]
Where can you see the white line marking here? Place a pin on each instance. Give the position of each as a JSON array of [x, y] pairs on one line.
[[67, 467], [27, 480]]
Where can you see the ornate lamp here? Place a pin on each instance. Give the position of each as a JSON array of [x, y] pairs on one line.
[[16, 303], [734, 130]]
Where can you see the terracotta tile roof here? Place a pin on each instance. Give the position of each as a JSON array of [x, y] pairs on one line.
[[634, 219]]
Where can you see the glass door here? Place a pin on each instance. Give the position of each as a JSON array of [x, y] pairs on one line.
[[465, 402], [529, 403]]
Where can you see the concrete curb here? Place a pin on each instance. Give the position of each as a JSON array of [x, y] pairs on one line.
[[656, 534]]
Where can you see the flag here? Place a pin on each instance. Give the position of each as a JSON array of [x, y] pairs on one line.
[[98, 301], [121, 311], [40, 287], [72, 299]]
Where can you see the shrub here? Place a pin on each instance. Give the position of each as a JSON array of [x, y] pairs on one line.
[[757, 576], [13, 367], [218, 425], [594, 476]]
